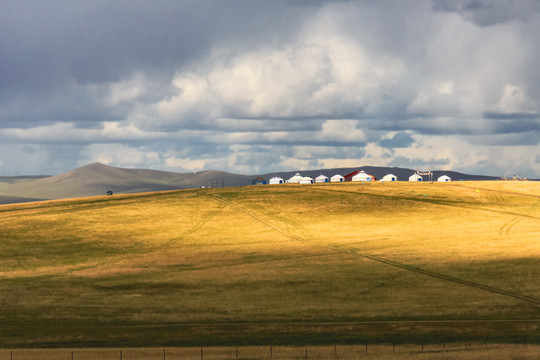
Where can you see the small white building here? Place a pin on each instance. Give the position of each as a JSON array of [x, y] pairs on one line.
[[295, 179], [415, 177], [306, 180], [276, 180], [321, 179], [362, 176], [389, 177], [337, 178], [444, 178]]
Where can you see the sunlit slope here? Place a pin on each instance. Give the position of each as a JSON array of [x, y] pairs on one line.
[[321, 253]]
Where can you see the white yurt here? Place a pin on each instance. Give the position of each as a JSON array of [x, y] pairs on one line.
[[337, 178], [295, 179], [362, 176], [276, 180], [306, 180], [389, 177], [415, 177], [444, 178], [321, 179]]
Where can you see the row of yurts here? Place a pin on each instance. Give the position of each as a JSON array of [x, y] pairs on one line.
[[355, 176]]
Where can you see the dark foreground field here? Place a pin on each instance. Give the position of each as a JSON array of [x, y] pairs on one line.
[[276, 265], [455, 351]]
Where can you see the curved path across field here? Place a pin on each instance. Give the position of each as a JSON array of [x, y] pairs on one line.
[[383, 260]]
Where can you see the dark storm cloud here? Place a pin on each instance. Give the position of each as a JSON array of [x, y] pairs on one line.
[[59, 57], [425, 125], [530, 138], [417, 163], [97, 41], [444, 6], [512, 127], [312, 2], [101, 41], [512, 123], [510, 116], [489, 12], [474, 5], [255, 125], [399, 140]]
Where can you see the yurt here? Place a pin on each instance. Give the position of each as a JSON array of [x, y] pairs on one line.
[[362, 176], [321, 179], [258, 181], [306, 180], [337, 178], [444, 178], [415, 177], [389, 177], [295, 179], [276, 180]]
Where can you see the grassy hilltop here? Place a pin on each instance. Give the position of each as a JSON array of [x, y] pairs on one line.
[[273, 264]]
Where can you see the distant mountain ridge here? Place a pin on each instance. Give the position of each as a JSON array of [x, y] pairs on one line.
[[97, 179]]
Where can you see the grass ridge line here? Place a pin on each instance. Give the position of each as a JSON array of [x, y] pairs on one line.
[[431, 201], [488, 288], [496, 191]]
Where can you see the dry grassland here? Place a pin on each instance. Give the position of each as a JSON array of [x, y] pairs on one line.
[[152, 269]]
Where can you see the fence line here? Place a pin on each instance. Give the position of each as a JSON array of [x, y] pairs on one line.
[[336, 351]]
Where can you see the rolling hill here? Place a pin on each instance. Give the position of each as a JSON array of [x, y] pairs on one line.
[[324, 264]]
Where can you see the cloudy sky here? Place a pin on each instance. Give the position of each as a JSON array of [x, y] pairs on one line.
[[253, 86]]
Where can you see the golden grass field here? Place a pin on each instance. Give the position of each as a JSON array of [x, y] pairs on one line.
[[285, 265]]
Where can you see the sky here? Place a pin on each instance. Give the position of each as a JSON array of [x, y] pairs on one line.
[[256, 86]]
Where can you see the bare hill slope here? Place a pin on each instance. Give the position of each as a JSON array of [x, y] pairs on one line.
[[97, 179]]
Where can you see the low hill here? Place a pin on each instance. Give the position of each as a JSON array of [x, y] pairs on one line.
[[20, 179], [6, 186], [97, 179]]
